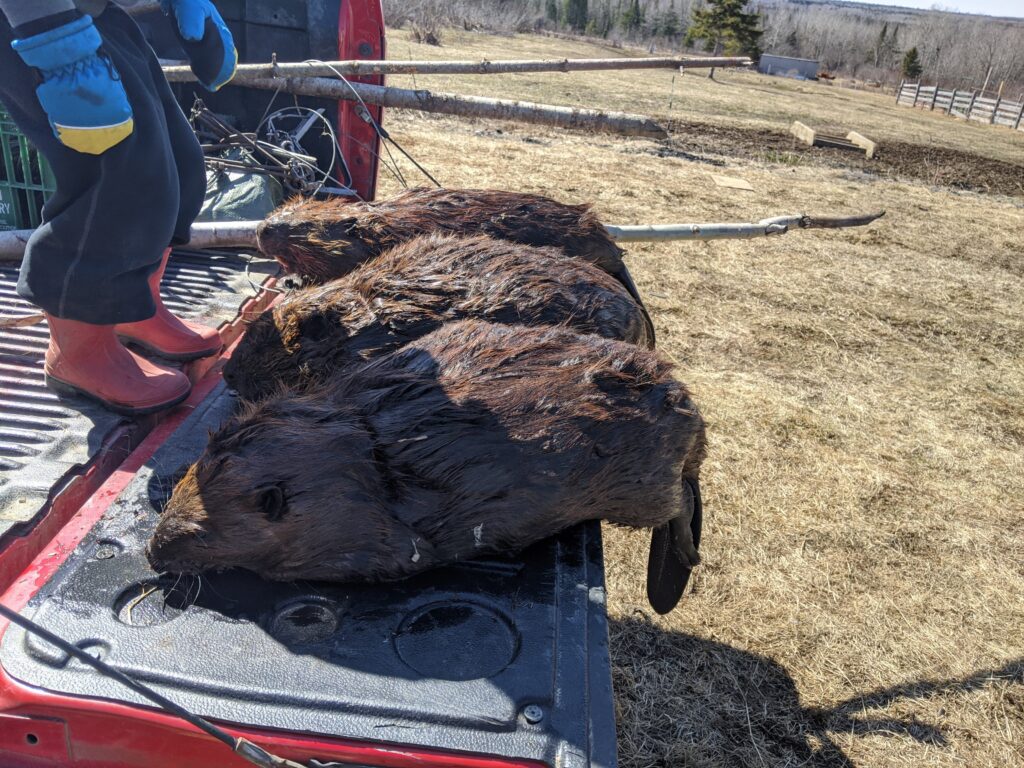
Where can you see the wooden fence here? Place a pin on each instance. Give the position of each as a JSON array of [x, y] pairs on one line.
[[969, 105]]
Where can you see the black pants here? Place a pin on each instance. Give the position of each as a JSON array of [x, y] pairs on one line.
[[106, 227]]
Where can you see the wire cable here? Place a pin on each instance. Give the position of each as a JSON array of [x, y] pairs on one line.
[[368, 116], [298, 111], [240, 746], [412, 159]]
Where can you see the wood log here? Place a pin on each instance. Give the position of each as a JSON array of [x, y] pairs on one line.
[[219, 234], [466, 106], [242, 234], [246, 72], [805, 133], [863, 142]]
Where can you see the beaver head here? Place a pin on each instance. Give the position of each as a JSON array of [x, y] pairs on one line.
[[313, 239], [267, 350], [276, 345], [258, 499]]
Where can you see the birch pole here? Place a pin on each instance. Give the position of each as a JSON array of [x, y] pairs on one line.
[[467, 106], [247, 72]]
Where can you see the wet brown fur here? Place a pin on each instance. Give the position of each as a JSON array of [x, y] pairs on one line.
[[323, 240], [415, 288], [320, 240], [477, 438]]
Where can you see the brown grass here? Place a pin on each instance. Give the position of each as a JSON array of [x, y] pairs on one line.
[[862, 597]]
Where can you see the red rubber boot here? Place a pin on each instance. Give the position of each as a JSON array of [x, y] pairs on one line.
[[85, 359], [166, 335]]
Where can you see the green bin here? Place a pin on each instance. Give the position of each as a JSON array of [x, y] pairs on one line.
[[25, 179]]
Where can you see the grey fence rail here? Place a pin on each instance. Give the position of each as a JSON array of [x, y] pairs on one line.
[[969, 105]]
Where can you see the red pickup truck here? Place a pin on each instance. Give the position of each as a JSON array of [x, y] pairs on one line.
[[495, 663]]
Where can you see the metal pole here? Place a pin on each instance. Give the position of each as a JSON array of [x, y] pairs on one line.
[[777, 225]]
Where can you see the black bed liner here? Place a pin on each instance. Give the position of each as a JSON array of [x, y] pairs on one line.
[[505, 657]]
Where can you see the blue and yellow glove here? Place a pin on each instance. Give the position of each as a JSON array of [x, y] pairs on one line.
[[81, 91], [206, 39]]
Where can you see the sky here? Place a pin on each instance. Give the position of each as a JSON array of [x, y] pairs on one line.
[[1012, 8]]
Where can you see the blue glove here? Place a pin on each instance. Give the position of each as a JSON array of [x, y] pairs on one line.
[[81, 91], [206, 39]]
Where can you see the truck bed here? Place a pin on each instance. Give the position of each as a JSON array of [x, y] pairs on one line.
[[505, 657], [42, 438]]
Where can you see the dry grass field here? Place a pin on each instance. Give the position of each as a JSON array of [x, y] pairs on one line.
[[862, 596]]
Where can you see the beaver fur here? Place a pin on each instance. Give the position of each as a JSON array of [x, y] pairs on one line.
[[321, 240], [415, 288], [324, 239], [477, 438]]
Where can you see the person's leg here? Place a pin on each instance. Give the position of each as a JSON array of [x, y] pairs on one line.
[[105, 228], [104, 232], [164, 333], [188, 155]]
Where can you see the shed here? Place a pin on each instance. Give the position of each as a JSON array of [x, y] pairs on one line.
[[788, 66]]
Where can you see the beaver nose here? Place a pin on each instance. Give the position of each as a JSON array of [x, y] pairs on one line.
[[157, 555], [178, 539], [271, 237]]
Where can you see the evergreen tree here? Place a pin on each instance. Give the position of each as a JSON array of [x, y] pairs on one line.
[[725, 27], [911, 66], [793, 42], [601, 21], [632, 17], [574, 14], [669, 24], [551, 10], [886, 47], [880, 45]]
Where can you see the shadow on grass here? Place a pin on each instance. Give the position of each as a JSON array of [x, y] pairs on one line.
[[685, 701]]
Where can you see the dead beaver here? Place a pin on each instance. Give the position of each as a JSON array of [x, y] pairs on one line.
[[478, 438], [413, 289], [323, 240]]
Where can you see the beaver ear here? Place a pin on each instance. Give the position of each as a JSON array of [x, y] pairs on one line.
[[272, 501]]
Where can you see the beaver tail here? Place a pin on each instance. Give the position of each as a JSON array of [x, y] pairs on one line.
[[673, 552]]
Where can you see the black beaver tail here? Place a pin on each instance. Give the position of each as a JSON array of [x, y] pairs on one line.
[[674, 551]]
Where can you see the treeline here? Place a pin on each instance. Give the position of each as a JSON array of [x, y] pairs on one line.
[[955, 50]]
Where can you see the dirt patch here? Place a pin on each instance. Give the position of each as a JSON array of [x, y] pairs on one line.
[[935, 165]]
